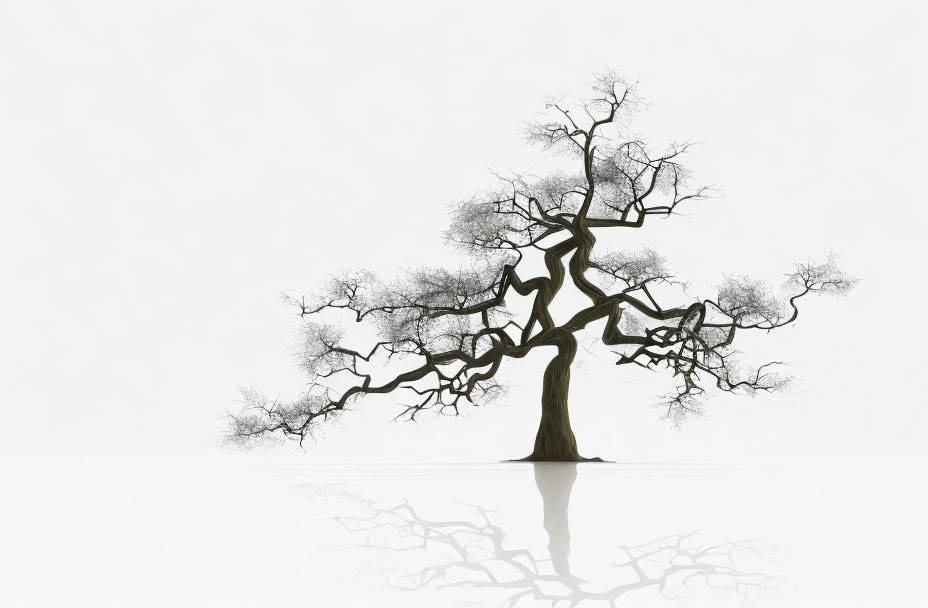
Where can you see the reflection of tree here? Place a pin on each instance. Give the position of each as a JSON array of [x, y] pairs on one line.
[[674, 566]]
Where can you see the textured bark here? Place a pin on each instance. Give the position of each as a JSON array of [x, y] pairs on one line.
[[555, 441]]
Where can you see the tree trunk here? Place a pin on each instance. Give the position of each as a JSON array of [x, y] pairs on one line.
[[555, 440]]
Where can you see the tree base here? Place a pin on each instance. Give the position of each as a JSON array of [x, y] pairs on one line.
[[534, 458]]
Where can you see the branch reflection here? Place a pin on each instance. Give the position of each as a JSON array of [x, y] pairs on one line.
[[473, 553]]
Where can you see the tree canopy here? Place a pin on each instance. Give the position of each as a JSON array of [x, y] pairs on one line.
[[452, 329]]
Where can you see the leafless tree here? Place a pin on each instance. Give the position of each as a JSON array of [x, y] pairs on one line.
[[455, 327]]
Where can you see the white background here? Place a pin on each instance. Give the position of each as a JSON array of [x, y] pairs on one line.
[[167, 169]]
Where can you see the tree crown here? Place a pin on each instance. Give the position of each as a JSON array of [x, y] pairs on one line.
[[452, 328]]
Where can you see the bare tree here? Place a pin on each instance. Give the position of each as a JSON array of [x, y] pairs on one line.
[[455, 327]]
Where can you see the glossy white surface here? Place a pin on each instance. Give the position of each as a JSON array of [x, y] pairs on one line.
[[182, 530]]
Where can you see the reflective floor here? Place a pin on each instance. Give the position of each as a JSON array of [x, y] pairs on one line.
[[148, 530]]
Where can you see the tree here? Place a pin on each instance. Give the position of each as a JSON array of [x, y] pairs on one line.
[[446, 333]]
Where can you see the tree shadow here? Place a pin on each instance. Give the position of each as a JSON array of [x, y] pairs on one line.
[[473, 553]]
